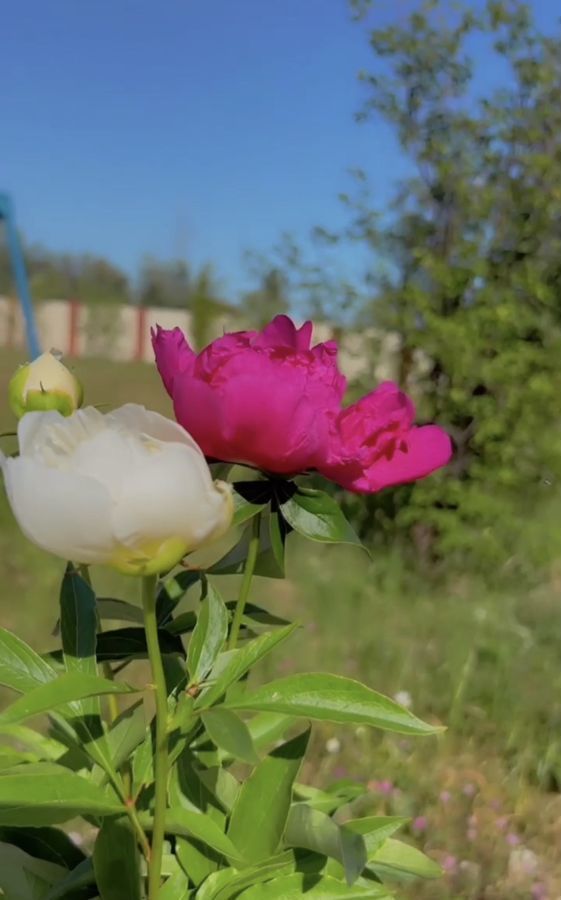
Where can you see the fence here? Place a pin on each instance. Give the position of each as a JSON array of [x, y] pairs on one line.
[[123, 333]]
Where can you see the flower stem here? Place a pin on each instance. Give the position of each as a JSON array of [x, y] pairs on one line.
[[249, 569], [161, 748]]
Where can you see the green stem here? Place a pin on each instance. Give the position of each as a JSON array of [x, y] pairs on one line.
[[140, 833], [161, 749], [249, 569]]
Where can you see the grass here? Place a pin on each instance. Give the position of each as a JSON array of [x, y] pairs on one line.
[[485, 660]]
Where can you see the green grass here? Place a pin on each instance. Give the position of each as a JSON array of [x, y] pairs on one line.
[[484, 660]]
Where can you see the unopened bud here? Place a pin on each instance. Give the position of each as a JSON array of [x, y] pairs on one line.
[[44, 384]]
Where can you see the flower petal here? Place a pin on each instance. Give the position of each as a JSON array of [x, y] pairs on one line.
[[164, 496], [64, 513], [282, 332], [425, 450], [173, 354], [55, 435]]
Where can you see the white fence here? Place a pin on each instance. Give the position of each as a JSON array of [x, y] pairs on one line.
[[123, 333]]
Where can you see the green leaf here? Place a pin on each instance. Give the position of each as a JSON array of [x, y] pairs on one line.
[[24, 878], [45, 798], [279, 530], [119, 610], [375, 829], [294, 887], [175, 888], [316, 515], [42, 746], [314, 830], [259, 816], [78, 623], [226, 884], [142, 764], [394, 859], [182, 623], [20, 667], [73, 883], [209, 635], [330, 800], [68, 687], [126, 733], [189, 791], [268, 727], [171, 592], [130, 643], [196, 859], [116, 861], [78, 628], [222, 784], [332, 698], [50, 844], [233, 664], [188, 823], [256, 617], [10, 758], [230, 733], [234, 561], [250, 498]]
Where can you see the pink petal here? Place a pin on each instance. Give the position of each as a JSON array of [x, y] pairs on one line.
[[244, 417], [282, 332], [173, 354], [427, 448]]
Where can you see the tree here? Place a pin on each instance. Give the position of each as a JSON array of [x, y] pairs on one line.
[[91, 279], [205, 304], [473, 241], [268, 299], [164, 283]]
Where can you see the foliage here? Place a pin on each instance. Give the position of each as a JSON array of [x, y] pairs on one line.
[[236, 821], [66, 276], [472, 279]]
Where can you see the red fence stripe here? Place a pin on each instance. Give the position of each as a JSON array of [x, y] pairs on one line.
[[140, 333], [73, 327]]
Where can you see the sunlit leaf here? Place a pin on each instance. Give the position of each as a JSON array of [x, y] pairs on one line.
[[230, 733], [331, 698], [209, 635], [259, 816]]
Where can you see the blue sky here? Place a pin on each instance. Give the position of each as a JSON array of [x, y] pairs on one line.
[[194, 128]]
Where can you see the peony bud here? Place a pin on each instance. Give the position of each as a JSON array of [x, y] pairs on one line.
[[42, 385]]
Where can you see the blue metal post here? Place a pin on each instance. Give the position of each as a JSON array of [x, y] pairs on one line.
[[20, 275]]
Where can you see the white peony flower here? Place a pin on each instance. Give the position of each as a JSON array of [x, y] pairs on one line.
[[129, 489]]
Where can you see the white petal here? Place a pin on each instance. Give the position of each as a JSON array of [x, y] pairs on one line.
[[31, 428], [166, 497], [38, 431], [66, 514], [108, 457], [138, 419]]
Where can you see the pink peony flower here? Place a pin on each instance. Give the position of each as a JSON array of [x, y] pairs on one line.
[[270, 400]]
